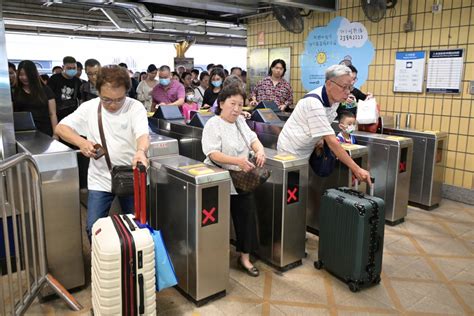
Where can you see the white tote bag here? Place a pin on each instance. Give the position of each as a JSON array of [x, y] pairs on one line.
[[367, 112]]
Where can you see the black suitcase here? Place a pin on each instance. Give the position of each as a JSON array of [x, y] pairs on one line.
[[351, 236]]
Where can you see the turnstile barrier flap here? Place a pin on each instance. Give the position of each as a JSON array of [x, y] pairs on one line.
[[413, 132], [399, 140], [190, 170], [355, 151], [283, 160], [162, 146]]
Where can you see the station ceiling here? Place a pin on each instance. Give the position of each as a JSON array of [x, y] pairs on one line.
[[216, 22]]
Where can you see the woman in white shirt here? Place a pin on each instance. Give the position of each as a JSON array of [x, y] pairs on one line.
[[224, 142], [146, 86]]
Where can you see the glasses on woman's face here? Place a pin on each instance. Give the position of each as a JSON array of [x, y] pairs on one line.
[[345, 88], [108, 101]]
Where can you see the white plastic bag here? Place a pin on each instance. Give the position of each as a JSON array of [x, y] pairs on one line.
[[367, 112]]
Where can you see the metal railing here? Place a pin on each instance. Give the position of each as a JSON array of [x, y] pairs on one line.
[[24, 271]]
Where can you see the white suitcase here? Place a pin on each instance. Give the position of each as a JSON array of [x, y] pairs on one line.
[[123, 266]]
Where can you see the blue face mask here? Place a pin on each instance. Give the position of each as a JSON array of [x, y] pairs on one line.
[[217, 84], [164, 81], [70, 72]]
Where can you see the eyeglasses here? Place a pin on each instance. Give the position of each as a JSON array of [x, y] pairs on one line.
[[90, 74], [345, 88], [107, 101]]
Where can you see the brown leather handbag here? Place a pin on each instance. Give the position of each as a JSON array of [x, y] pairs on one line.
[[249, 181], [245, 182]]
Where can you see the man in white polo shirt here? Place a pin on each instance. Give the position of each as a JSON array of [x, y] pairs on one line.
[[311, 120]]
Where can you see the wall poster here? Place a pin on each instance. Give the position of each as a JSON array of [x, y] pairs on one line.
[[445, 71], [409, 72], [340, 42]]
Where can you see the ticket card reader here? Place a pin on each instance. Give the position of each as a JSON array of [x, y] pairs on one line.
[[200, 119], [265, 116], [168, 112]]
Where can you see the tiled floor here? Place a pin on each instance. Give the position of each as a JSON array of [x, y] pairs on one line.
[[428, 269]]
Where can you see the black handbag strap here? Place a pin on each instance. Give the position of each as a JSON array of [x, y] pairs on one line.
[[102, 137]]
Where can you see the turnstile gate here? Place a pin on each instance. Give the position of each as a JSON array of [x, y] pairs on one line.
[[190, 204]]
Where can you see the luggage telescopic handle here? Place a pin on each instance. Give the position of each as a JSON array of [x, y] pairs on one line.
[[139, 190], [372, 188]]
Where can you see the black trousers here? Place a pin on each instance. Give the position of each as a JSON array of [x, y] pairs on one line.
[[244, 215]]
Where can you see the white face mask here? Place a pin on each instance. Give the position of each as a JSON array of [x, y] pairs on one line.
[[190, 97], [350, 129]]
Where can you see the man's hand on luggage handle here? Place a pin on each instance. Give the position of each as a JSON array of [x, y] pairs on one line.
[[141, 157]]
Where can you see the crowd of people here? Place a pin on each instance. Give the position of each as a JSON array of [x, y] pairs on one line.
[[112, 104]]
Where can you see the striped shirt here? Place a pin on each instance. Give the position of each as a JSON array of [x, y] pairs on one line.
[[309, 122]]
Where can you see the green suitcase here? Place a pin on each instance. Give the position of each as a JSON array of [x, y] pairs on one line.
[[351, 237]]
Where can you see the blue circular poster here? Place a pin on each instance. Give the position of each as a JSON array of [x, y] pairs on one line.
[[341, 41]]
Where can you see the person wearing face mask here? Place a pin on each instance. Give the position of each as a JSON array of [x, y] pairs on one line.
[[125, 126], [88, 89], [145, 87], [310, 123], [274, 87], [347, 124], [210, 96], [167, 91], [189, 105], [66, 88]]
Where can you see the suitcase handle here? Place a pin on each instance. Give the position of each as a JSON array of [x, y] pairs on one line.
[[372, 187], [139, 192]]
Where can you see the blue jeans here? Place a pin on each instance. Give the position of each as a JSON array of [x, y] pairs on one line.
[[98, 206]]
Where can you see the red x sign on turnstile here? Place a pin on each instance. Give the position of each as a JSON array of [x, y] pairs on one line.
[[208, 215], [402, 167], [292, 195]]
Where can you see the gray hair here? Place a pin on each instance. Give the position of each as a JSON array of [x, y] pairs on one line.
[[233, 80], [335, 71]]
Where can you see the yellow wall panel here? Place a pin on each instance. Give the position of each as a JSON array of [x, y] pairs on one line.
[[467, 183], [470, 144], [469, 162], [452, 28], [458, 178], [462, 143], [452, 142], [449, 176], [451, 159], [463, 126]]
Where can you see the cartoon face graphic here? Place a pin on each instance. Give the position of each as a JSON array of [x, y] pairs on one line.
[[321, 58]]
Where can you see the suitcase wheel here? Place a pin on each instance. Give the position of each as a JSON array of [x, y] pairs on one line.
[[377, 279], [318, 264], [354, 287]]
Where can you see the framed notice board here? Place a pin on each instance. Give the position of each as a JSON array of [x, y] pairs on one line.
[[409, 72], [445, 68]]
